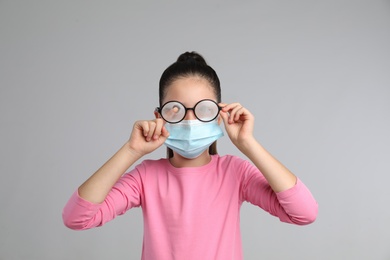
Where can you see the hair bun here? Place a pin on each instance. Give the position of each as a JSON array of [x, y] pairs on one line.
[[191, 57]]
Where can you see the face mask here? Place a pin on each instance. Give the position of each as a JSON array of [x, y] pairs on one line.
[[190, 138]]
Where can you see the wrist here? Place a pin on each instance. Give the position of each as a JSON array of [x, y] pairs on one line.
[[247, 144], [131, 152]]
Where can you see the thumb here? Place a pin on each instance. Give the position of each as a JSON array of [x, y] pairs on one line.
[[164, 132]]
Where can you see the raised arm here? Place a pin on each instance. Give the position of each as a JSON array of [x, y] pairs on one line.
[[239, 124], [91, 205], [145, 138]]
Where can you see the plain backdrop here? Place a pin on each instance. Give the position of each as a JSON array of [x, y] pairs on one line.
[[75, 75]]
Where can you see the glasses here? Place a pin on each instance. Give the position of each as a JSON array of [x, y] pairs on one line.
[[173, 112]]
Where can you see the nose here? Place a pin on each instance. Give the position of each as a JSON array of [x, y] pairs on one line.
[[190, 115]]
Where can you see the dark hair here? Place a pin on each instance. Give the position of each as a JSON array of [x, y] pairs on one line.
[[189, 64]]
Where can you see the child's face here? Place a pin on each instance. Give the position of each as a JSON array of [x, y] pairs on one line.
[[189, 91]]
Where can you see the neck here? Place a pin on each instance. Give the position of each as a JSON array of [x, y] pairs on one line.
[[179, 161]]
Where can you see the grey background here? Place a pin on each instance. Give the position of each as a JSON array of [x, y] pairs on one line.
[[75, 75]]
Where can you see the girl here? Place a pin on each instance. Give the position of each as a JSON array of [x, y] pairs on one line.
[[191, 200]]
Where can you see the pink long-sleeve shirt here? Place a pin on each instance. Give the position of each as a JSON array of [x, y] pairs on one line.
[[192, 213]]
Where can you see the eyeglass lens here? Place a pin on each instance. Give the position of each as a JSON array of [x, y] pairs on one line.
[[204, 110]]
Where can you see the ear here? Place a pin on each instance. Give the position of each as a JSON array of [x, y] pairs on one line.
[[157, 114]]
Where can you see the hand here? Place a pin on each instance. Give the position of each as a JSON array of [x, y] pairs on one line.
[[147, 136], [238, 122]]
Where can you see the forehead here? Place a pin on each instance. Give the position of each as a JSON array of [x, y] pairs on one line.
[[189, 90]]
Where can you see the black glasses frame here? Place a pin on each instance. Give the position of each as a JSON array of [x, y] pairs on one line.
[[159, 109]]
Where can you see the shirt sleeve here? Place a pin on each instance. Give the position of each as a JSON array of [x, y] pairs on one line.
[[295, 205], [80, 214]]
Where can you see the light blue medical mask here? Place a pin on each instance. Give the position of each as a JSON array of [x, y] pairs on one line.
[[190, 138]]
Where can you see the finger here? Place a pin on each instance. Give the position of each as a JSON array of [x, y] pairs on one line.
[[225, 111], [226, 107], [152, 127], [158, 129], [222, 105], [144, 127], [225, 117], [234, 115], [229, 107], [173, 111], [164, 132], [239, 113]]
